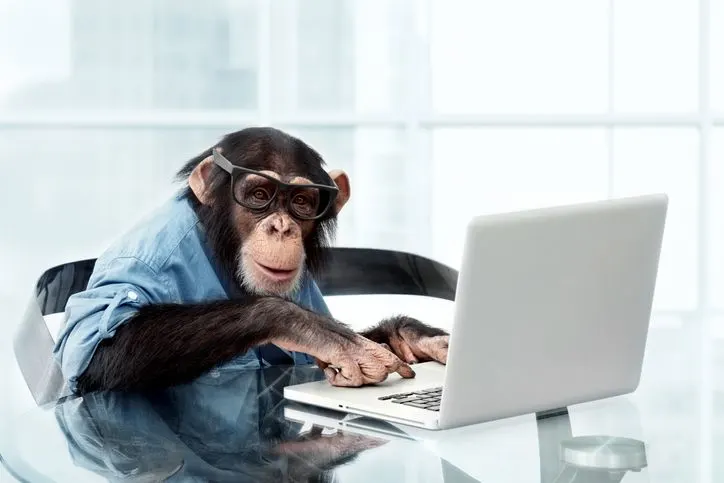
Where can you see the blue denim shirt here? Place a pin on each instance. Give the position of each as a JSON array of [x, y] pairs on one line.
[[219, 429], [163, 259]]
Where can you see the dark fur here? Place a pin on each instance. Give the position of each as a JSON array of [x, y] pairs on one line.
[[261, 148], [171, 344], [382, 332]]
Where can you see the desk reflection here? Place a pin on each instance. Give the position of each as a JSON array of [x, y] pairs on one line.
[[563, 457], [231, 429], [584, 459]]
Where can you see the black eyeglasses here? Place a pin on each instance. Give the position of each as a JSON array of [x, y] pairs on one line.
[[257, 191]]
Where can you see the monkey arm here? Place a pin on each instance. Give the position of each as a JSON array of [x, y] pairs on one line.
[[394, 326], [169, 344], [409, 339]]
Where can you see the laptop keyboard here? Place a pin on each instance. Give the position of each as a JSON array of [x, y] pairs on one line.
[[426, 399]]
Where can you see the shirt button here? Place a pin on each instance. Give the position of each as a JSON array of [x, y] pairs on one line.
[[132, 295], [329, 431], [214, 373]]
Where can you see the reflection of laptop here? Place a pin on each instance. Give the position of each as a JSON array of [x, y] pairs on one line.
[[310, 416], [552, 309], [417, 457]]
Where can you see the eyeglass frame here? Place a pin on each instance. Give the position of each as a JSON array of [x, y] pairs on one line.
[[234, 171]]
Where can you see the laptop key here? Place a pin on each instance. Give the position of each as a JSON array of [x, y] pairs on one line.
[[426, 391], [415, 405], [422, 398], [395, 396]]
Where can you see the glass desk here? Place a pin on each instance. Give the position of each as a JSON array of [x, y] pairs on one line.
[[237, 427]]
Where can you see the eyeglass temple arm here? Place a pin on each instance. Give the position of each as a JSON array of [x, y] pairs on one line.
[[226, 165], [221, 161]]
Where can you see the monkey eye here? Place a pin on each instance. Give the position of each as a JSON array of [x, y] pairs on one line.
[[260, 194], [257, 197], [253, 191], [305, 203], [301, 200]]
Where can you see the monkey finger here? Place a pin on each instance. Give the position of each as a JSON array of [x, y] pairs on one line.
[[406, 371], [440, 355], [336, 378], [401, 350], [331, 375], [435, 348], [442, 349], [374, 378], [393, 363], [374, 369], [348, 375], [402, 368], [404, 351]]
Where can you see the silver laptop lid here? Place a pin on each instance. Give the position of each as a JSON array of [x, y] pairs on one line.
[[552, 307]]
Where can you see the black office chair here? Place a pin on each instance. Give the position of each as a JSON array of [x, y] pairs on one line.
[[352, 271]]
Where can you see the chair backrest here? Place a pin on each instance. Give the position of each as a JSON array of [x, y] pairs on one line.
[[352, 271]]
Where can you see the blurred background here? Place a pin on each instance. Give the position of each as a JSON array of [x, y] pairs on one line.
[[438, 109]]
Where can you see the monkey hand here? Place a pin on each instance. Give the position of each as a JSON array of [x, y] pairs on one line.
[[411, 340], [359, 361], [347, 358]]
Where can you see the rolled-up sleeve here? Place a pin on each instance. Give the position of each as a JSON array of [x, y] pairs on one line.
[[114, 295], [316, 300]]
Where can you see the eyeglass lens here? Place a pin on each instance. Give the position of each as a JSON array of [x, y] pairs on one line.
[[257, 192]]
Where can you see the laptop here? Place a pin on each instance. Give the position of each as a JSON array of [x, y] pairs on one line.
[[552, 309]]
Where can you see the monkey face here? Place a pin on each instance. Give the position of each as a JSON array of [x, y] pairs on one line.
[[271, 257], [271, 212]]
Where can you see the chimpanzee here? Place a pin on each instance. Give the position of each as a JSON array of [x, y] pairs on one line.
[[223, 274]]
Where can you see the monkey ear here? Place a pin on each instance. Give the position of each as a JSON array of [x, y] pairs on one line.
[[341, 179], [199, 180]]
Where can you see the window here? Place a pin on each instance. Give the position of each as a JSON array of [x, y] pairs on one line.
[[655, 66], [664, 159], [716, 56], [715, 208], [517, 57], [490, 170], [534, 103]]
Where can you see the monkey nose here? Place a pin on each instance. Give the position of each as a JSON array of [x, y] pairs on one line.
[[280, 225]]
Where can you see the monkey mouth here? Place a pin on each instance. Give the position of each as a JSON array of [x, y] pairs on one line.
[[277, 274]]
